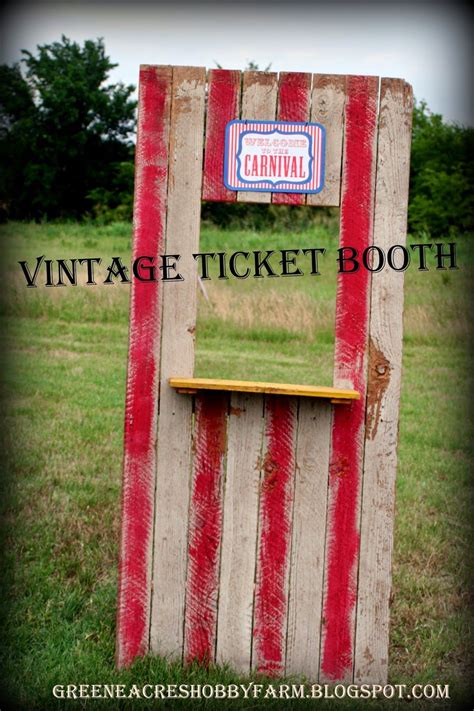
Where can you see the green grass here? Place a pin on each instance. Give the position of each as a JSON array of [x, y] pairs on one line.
[[63, 361]]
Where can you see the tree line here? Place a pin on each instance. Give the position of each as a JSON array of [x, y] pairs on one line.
[[67, 151]]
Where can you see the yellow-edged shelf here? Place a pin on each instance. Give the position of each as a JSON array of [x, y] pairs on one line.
[[335, 395]]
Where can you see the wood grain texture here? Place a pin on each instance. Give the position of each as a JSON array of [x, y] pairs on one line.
[[205, 527], [274, 536], [151, 175], [350, 370], [238, 558], [297, 506], [177, 346], [383, 397], [193, 385], [294, 94], [223, 105], [308, 537], [327, 108], [259, 100]]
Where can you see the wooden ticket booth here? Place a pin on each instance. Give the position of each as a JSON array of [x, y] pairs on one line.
[[257, 518]]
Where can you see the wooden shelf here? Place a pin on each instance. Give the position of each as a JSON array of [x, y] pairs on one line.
[[335, 395]]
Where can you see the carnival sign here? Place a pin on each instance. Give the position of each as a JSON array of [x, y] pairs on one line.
[[274, 156]]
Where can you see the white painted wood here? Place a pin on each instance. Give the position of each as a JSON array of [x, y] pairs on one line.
[[238, 551], [177, 353], [307, 549], [327, 108], [385, 362], [259, 101]]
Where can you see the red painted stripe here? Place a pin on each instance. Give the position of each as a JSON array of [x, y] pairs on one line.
[[352, 317], [274, 536], [294, 90], [205, 527], [151, 169], [222, 106]]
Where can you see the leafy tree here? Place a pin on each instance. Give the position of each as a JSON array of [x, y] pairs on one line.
[[16, 104], [441, 179], [16, 98], [64, 132]]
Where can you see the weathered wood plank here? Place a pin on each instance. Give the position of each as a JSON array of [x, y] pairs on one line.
[[238, 558], [294, 94], [177, 346], [327, 108], [205, 527], [307, 548], [223, 105], [259, 98], [350, 370], [383, 397], [274, 536], [193, 385], [151, 163]]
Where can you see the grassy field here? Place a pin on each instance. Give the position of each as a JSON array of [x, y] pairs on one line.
[[63, 362]]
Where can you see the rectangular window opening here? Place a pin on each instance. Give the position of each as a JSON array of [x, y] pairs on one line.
[[266, 328]]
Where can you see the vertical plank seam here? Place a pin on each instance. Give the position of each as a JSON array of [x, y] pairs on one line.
[[204, 125], [190, 503], [331, 424], [367, 374], [193, 408], [204, 128], [240, 98], [155, 487], [165, 242], [160, 346], [343, 135], [310, 109], [277, 115], [292, 527], [257, 537], [223, 486], [323, 577]]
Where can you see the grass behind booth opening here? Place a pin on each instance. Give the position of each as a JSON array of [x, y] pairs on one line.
[[277, 329], [63, 359]]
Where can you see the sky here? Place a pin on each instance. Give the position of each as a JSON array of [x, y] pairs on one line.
[[426, 43]]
